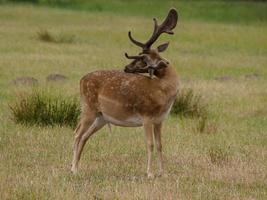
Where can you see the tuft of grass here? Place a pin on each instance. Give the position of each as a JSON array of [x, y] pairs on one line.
[[218, 156], [43, 108], [202, 123], [189, 104], [47, 36]]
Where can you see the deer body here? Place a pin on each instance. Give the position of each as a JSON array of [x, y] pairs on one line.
[[130, 99], [125, 99]]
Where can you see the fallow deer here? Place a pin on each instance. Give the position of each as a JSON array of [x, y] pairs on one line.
[[129, 98]]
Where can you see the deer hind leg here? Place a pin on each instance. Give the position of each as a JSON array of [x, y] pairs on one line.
[[157, 136], [149, 142], [86, 128], [84, 124]]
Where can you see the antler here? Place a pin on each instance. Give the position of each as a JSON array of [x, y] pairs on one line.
[[166, 27], [135, 57], [138, 57]]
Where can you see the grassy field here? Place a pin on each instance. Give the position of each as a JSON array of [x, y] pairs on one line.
[[220, 54]]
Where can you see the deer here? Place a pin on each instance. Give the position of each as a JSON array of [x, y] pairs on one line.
[[140, 95]]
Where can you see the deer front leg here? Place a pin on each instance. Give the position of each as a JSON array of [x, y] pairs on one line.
[[149, 142], [157, 136]]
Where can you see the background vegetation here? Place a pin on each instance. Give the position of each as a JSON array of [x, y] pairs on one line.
[[40, 107], [220, 52]]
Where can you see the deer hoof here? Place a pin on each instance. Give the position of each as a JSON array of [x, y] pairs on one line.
[[162, 174], [74, 170]]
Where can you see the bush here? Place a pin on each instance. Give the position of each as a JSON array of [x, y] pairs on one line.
[[43, 108]]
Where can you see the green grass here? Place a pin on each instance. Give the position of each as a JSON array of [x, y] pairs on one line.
[[42, 108], [189, 104], [230, 11], [227, 161]]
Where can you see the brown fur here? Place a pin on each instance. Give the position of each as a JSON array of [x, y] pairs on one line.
[[125, 96], [133, 93]]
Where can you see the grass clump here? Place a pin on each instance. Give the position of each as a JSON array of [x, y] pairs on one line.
[[189, 104], [218, 156], [43, 108], [46, 36]]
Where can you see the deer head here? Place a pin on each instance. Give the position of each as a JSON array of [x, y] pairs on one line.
[[149, 60]]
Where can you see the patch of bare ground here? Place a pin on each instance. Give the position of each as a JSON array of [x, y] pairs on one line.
[[252, 76], [25, 80], [56, 77], [223, 78]]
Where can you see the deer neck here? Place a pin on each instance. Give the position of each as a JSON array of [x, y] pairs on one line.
[[169, 81], [167, 74]]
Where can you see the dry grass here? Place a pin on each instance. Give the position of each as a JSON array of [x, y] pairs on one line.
[[35, 161]]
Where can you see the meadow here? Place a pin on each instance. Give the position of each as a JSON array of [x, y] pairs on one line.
[[219, 50]]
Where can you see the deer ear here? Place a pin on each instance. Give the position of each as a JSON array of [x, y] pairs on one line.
[[163, 47]]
